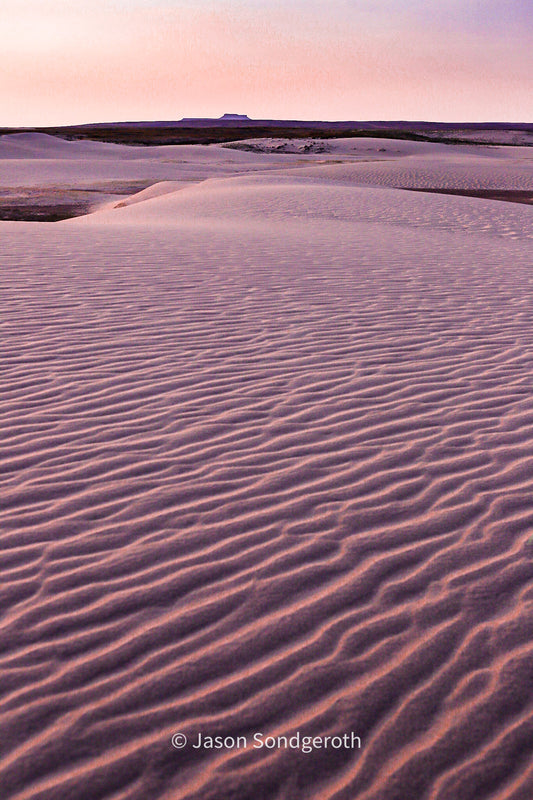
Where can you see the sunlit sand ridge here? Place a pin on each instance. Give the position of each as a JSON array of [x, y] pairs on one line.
[[267, 466]]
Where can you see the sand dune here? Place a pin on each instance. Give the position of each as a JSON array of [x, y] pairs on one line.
[[267, 467]]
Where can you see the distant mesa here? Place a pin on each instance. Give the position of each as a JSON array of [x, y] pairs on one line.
[[235, 117]]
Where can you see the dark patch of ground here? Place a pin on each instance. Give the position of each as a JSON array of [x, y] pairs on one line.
[[54, 203], [508, 195], [43, 213]]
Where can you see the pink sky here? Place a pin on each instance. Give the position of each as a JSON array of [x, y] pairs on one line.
[[165, 59]]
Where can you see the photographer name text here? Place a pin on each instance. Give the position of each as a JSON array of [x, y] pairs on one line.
[[258, 741]]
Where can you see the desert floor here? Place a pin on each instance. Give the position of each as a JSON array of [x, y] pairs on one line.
[[266, 466]]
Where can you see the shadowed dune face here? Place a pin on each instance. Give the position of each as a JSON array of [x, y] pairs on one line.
[[266, 467]]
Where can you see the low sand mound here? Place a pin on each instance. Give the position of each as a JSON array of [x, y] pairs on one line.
[[266, 469], [449, 171], [43, 146], [156, 190], [31, 145], [314, 198]]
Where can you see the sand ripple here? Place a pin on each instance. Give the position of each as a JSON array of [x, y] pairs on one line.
[[268, 466]]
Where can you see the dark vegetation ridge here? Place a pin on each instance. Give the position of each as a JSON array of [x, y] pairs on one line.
[[165, 135], [206, 131]]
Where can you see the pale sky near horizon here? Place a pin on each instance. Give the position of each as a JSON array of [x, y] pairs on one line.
[[112, 60]]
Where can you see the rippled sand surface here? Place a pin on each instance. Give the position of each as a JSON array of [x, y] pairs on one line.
[[266, 465]]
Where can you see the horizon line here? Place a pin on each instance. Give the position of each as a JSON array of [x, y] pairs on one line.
[[244, 120]]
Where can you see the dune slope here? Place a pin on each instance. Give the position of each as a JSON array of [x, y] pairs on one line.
[[267, 466]]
